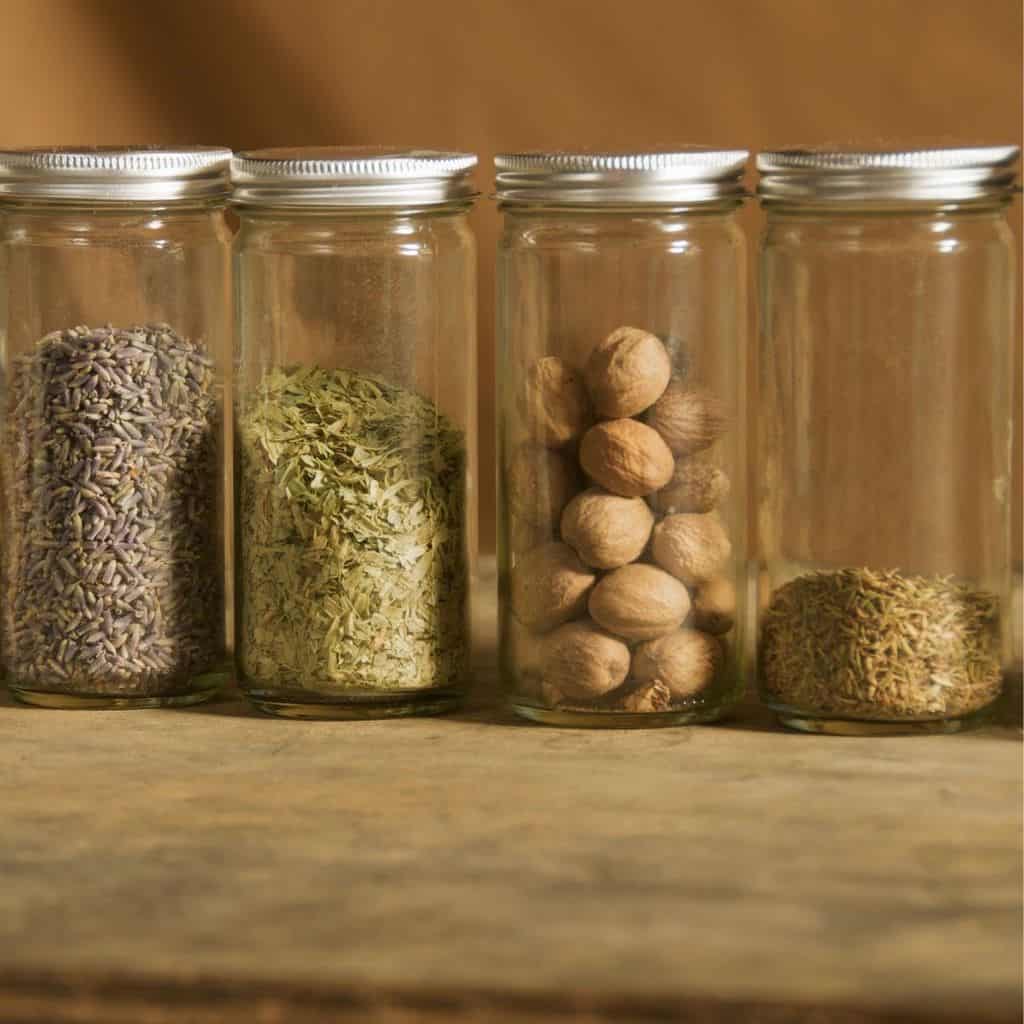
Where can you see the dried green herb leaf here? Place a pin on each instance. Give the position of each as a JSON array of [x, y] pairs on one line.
[[351, 535]]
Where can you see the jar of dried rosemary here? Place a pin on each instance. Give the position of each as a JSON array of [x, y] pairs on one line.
[[354, 442], [884, 436], [113, 274]]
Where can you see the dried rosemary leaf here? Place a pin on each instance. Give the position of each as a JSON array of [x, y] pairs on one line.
[[351, 536], [880, 645]]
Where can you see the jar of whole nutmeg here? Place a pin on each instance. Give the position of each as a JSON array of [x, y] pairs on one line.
[[884, 436], [621, 325]]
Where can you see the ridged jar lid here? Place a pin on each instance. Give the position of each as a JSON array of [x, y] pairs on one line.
[[109, 174], [356, 176], [953, 174], [662, 177]]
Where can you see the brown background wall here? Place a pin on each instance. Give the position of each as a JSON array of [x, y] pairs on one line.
[[486, 75]]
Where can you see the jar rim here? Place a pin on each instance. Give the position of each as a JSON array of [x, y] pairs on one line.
[[681, 175], [115, 174], [351, 176], [935, 174]]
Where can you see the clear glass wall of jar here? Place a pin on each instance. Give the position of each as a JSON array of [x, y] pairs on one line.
[[621, 390], [884, 432], [113, 325], [355, 430]]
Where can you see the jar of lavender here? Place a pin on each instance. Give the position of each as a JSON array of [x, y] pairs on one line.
[[113, 318]]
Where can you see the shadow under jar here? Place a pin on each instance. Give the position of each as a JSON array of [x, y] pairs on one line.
[[113, 315], [621, 326], [884, 433], [354, 430]]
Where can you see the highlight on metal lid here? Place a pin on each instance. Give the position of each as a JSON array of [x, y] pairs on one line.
[[953, 174], [351, 176], [681, 176], [115, 174]]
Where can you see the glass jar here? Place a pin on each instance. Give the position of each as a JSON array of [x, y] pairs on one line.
[[113, 321], [355, 430], [884, 435], [621, 397]]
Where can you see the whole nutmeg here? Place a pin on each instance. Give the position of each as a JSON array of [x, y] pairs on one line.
[[521, 654], [693, 547], [686, 662], [626, 457], [553, 402], [652, 696], [581, 661], [714, 607], [639, 602], [607, 530], [524, 536], [627, 372], [551, 695], [688, 419], [549, 586], [697, 485], [540, 484]]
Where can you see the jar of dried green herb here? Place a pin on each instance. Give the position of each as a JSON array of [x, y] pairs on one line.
[[884, 436], [354, 430], [113, 315]]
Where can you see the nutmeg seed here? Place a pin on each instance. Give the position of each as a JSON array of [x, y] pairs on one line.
[[524, 536], [652, 696], [582, 661], [688, 419], [639, 602], [697, 485], [553, 402], [626, 457], [627, 372], [550, 586], [607, 530], [522, 649], [686, 661], [540, 484], [693, 547], [714, 607]]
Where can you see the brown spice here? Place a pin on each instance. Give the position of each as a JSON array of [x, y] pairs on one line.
[[607, 530], [550, 586], [553, 402], [859, 643], [627, 372], [688, 419], [626, 457]]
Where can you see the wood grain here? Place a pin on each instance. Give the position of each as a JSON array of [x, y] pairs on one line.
[[225, 866]]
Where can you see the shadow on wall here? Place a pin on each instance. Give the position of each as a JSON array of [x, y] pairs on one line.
[[268, 101]]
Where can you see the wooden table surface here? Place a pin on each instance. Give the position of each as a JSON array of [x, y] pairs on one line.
[[215, 865]]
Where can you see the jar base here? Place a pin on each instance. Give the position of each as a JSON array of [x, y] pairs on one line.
[[855, 727], [356, 708], [109, 702], [578, 719]]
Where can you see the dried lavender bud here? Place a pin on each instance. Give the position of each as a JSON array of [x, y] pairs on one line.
[[110, 470]]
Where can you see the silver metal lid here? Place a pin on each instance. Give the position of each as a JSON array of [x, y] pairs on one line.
[[937, 175], [107, 174], [363, 176], [681, 176]]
